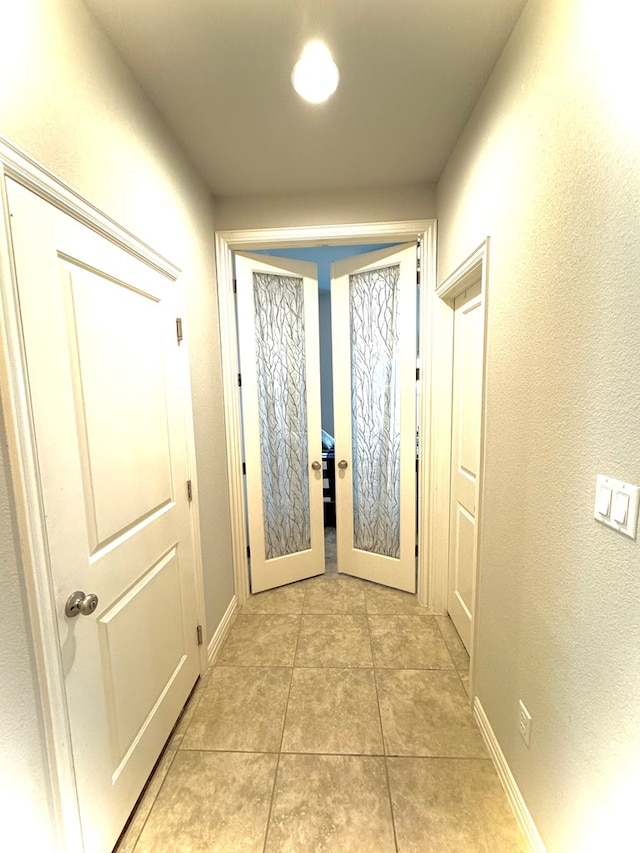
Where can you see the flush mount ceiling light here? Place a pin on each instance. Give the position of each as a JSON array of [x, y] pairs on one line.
[[315, 76]]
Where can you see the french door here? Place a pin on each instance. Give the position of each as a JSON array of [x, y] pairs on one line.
[[373, 318], [374, 355], [280, 367]]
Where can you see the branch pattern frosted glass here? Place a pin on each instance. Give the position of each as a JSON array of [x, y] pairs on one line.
[[280, 349], [375, 410]]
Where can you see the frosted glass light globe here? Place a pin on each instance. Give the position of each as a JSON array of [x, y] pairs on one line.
[[315, 76]]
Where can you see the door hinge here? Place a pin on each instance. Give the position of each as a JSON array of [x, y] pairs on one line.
[[417, 465], [235, 286], [199, 634], [179, 328], [248, 551], [416, 550], [189, 491], [244, 467], [417, 373], [239, 379], [418, 278]]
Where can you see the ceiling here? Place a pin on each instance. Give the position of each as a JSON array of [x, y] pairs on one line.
[[219, 73]]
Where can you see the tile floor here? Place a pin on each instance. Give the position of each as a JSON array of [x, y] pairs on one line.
[[335, 718]]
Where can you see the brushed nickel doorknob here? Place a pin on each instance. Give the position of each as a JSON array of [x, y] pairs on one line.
[[78, 603]]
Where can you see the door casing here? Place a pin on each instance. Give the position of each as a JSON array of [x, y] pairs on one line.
[[431, 590], [26, 492]]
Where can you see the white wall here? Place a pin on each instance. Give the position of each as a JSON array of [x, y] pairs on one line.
[[68, 100], [549, 167], [327, 208]]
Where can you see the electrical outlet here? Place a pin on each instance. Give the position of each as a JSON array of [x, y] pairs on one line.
[[524, 724]]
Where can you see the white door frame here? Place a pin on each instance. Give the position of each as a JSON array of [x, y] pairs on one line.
[[377, 232], [442, 397], [26, 491]]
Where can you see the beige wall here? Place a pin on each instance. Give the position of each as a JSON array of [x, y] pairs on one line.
[[68, 100], [549, 167], [328, 208]]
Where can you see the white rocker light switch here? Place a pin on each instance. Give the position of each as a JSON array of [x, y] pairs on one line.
[[616, 505], [621, 507], [603, 501]]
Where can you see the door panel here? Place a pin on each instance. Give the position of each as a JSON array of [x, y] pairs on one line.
[[373, 311], [105, 376], [279, 356], [465, 456], [115, 339]]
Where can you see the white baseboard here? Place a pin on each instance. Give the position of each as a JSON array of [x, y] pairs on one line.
[[222, 630], [509, 784]]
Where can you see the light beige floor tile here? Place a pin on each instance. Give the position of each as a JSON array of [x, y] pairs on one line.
[[334, 641], [261, 641], [211, 801], [408, 642], [392, 602], [330, 553], [188, 712], [284, 599], [453, 805], [334, 594], [242, 708], [455, 645], [136, 823], [427, 713], [330, 803], [332, 711]]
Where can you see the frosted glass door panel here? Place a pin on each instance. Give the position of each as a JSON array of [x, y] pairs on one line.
[[373, 310], [282, 402], [279, 357], [375, 410]]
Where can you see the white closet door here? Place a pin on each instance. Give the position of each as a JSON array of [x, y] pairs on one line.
[[280, 366], [465, 457], [373, 311], [105, 377]]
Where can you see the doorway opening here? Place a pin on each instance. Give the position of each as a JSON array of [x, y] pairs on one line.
[[458, 391], [273, 240], [370, 469]]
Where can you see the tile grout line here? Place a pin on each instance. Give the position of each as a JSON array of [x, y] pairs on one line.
[[284, 723], [142, 795], [455, 665], [384, 745], [166, 749]]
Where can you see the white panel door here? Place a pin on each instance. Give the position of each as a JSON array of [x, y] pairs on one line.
[[373, 320], [280, 364], [468, 347], [105, 379]]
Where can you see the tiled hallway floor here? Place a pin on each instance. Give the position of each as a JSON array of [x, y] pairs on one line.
[[335, 718]]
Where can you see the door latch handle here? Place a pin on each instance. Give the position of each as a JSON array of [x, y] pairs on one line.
[[80, 604], [316, 465], [343, 464]]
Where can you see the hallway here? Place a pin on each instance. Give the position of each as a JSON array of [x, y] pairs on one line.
[[335, 718]]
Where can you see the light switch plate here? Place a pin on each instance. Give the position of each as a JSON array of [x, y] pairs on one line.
[[619, 492]]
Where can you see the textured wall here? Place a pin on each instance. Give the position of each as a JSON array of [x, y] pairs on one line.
[[331, 208], [549, 167], [68, 100], [24, 795]]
